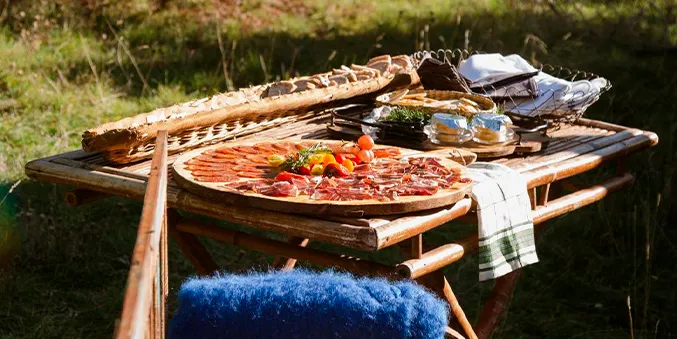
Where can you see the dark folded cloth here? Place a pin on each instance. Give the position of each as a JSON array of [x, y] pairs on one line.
[[508, 86], [440, 75], [436, 74]]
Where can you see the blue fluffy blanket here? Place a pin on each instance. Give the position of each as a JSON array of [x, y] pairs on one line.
[[303, 304]]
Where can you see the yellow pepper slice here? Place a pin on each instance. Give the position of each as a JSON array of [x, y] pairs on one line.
[[329, 159], [317, 158], [318, 169], [276, 160], [348, 164]]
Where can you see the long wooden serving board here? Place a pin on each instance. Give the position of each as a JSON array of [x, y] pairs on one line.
[[304, 204]]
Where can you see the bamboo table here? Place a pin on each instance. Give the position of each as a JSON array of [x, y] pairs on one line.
[[574, 149]]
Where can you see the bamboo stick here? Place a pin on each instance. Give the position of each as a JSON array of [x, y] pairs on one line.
[[79, 197], [408, 226], [563, 205], [283, 249], [544, 195], [496, 304], [550, 173], [417, 246], [138, 311], [600, 124], [285, 263], [439, 284], [190, 246], [581, 198], [574, 152], [357, 237], [431, 261]]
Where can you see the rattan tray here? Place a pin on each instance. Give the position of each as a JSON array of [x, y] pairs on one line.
[[226, 116]]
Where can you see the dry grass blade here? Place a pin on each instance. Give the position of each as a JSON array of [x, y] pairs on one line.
[[224, 62], [93, 68], [11, 189]]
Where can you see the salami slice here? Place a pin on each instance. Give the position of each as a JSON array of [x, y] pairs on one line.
[[216, 178], [245, 168]]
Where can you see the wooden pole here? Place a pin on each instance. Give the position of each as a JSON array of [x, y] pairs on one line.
[[431, 261], [284, 249], [143, 298], [496, 304], [284, 263], [79, 197], [191, 247], [402, 228], [438, 283]]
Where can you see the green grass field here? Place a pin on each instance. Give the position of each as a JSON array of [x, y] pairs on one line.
[[68, 65]]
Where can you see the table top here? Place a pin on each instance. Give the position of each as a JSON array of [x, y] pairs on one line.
[[574, 149]]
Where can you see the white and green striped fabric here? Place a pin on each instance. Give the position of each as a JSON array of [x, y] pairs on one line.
[[505, 224]]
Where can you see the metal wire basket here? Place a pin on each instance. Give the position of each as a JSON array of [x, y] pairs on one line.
[[555, 106]]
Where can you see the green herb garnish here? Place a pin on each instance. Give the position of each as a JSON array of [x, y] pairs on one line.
[[408, 115], [302, 157]]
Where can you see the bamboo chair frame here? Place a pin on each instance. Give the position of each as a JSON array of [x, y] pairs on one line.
[[143, 310]]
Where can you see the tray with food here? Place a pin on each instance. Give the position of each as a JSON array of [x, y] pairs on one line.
[[323, 177], [228, 115], [484, 132]]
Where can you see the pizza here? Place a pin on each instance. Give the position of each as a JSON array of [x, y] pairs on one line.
[[322, 170]]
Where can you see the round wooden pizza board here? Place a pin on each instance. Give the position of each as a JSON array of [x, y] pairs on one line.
[[304, 204]]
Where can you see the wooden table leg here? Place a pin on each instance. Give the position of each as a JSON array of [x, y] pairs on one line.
[[439, 284], [284, 263], [496, 304], [191, 246]]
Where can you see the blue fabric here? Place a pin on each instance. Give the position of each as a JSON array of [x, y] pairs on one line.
[[303, 304]]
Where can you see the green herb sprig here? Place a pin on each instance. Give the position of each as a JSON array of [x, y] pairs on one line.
[[408, 115], [295, 161]]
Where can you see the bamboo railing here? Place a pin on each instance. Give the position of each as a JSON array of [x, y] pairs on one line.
[[143, 310]]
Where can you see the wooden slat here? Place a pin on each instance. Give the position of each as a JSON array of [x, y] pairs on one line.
[[431, 261], [408, 226], [359, 237], [142, 309], [575, 151], [562, 205], [283, 248], [79, 197], [560, 170]]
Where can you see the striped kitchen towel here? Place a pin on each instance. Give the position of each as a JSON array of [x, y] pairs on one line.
[[505, 224]]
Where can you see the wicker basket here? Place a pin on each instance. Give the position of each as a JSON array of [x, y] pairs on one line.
[[554, 114], [226, 116], [415, 98]]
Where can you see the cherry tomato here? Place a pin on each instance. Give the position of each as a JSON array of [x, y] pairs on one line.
[[352, 157], [328, 159], [365, 155], [365, 142], [348, 164], [305, 170], [339, 158], [335, 170], [353, 149]]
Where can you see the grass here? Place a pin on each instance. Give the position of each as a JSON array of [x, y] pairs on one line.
[[66, 66]]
